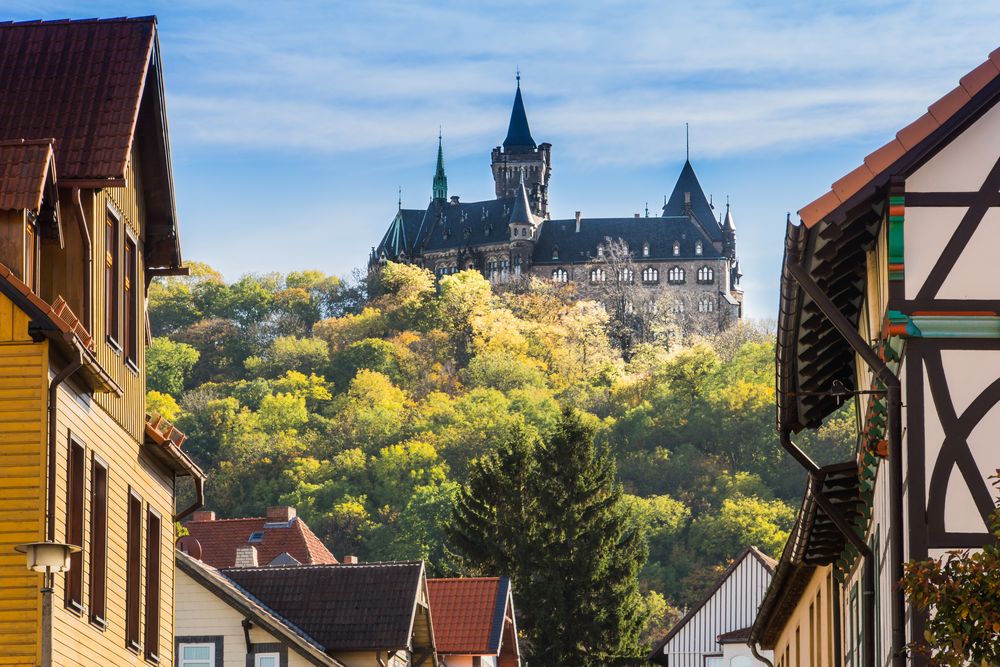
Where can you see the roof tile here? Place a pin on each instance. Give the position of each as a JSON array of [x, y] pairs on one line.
[[917, 131], [814, 211], [852, 182], [946, 107], [881, 159], [465, 614], [24, 168], [219, 539], [977, 79]]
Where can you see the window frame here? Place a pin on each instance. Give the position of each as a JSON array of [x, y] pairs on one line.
[[676, 275], [112, 281], [130, 301], [270, 654], [154, 562], [133, 571], [30, 263], [76, 484], [98, 541], [213, 656]]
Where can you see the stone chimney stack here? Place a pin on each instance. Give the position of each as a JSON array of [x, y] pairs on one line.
[[577, 222], [280, 513], [246, 556], [350, 560], [203, 515]]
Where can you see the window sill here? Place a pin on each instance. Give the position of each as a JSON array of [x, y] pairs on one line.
[[113, 344], [131, 365], [133, 646], [152, 659], [74, 607], [99, 623]]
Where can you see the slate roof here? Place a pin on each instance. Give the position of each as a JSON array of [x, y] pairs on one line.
[[659, 233], [24, 170], [468, 614], [343, 607], [518, 133], [49, 72], [447, 225], [401, 235], [219, 539], [701, 209]]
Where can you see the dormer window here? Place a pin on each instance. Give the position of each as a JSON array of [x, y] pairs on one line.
[[697, 247], [645, 250], [256, 537], [600, 251], [555, 253], [677, 248]]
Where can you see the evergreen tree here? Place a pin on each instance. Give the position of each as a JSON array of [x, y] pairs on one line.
[[554, 518]]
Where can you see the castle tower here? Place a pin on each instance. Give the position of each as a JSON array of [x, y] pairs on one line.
[[440, 180], [520, 158], [728, 234]]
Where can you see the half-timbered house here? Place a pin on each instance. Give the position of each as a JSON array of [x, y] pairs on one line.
[[86, 221], [703, 637], [890, 298]]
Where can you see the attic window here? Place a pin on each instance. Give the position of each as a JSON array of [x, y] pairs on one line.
[[677, 248], [555, 253], [256, 537], [645, 250], [697, 247], [600, 251]]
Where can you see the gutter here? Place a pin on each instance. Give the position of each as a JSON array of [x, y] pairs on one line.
[[894, 435]]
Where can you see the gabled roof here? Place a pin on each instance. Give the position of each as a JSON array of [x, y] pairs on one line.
[[880, 161], [401, 236], [219, 539], [259, 613], [93, 85], [769, 564], [659, 233], [343, 607], [469, 614], [518, 134], [699, 208], [25, 169]]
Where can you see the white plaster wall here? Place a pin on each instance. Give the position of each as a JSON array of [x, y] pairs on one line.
[[732, 651], [465, 661], [962, 165], [926, 231]]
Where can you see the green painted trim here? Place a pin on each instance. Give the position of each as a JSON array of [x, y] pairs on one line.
[[968, 326]]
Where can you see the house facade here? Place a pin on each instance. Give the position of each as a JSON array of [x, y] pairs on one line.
[[87, 220], [889, 298], [474, 622], [687, 252], [712, 634]]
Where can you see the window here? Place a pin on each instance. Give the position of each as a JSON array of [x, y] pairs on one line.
[[131, 289], [477, 661], [600, 251], [111, 299], [30, 254], [677, 248], [152, 615], [255, 537], [626, 275], [798, 649], [645, 250], [517, 266], [650, 275], [714, 661], [560, 276], [196, 655], [697, 247], [675, 275], [598, 275], [76, 463], [98, 540], [743, 661], [555, 253], [706, 275], [133, 569], [267, 660], [706, 305]]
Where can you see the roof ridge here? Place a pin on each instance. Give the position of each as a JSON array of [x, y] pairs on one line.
[[325, 566], [67, 21], [451, 579]]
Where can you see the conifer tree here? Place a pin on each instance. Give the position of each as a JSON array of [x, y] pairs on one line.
[[553, 518]]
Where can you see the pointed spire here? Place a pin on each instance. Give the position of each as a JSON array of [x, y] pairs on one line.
[[689, 200], [518, 134], [727, 223], [440, 180], [522, 209]]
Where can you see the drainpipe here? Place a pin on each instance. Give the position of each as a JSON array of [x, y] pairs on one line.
[[88, 258], [756, 654], [894, 433]]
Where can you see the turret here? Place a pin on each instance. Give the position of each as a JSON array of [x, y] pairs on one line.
[[440, 180], [519, 159], [728, 234]]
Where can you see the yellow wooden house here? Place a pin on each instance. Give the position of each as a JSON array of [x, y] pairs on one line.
[[87, 219]]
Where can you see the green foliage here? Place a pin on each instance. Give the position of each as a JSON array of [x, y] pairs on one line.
[[739, 522], [168, 365]]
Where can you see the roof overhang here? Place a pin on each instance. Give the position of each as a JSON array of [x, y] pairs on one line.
[[164, 442]]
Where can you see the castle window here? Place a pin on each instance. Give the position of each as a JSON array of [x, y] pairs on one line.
[[598, 275], [677, 248], [645, 250], [517, 266], [555, 253], [706, 275], [626, 275], [560, 276], [650, 275], [600, 251], [706, 305], [697, 247], [678, 307], [675, 275]]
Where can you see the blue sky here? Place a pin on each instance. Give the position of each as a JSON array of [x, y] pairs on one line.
[[293, 124]]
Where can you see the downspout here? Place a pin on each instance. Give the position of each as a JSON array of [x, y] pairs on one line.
[[756, 654], [893, 433], [88, 259]]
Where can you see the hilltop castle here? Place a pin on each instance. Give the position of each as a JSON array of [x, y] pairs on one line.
[[686, 250]]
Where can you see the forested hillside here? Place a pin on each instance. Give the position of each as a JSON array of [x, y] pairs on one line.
[[364, 412]]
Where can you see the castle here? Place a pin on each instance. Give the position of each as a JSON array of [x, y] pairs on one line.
[[686, 250]]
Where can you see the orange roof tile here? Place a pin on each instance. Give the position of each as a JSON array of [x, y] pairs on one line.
[[468, 614], [907, 138], [53, 69], [24, 168], [219, 539]]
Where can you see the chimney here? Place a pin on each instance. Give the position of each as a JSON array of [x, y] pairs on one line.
[[350, 560], [280, 513], [454, 200], [577, 222], [636, 216], [203, 515], [246, 556]]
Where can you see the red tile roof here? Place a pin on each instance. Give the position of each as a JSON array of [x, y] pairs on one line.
[[468, 614], [880, 160], [24, 168], [219, 539], [80, 82]]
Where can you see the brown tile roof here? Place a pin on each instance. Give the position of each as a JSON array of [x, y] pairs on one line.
[[881, 159], [343, 607], [468, 614], [24, 169], [220, 538], [80, 82]]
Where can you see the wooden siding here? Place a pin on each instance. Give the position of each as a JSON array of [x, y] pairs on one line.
[[200, 613], [23, 373], [12, 240], [807, 638], [75, 639], [732, 607], [127, 410]]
